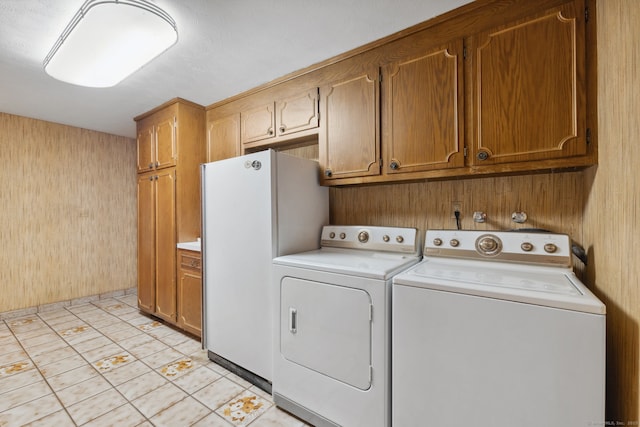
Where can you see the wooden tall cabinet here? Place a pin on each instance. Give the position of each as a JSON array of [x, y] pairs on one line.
[[528, 88], [168, 199]]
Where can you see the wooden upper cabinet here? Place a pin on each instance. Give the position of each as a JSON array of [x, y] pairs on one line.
[[223, 138], [281, 118], [423, 106], [156, 141], [349, 141], [528, 89]]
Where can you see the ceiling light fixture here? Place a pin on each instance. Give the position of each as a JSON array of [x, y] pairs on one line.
[[107, 40]]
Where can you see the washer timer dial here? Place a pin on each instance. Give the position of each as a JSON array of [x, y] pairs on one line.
[[489, 245]]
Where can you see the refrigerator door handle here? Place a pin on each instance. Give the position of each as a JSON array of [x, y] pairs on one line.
[[293, 320]]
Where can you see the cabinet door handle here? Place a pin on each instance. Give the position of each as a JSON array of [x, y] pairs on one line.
[[270, 131], [482, 155], [293, 320], [328, 173], [282, 129], [394, 165], [151, 165]]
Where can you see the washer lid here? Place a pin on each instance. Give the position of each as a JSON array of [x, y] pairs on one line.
[[353, 262], [547, 286]]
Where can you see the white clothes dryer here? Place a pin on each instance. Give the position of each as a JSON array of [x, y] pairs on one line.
[[493, 329], [332, 343]]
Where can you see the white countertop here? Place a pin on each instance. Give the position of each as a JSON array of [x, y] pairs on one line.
[[191, 246]]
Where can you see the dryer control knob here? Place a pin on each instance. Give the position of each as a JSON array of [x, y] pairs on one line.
[[550, 248], [332, 235], [526, 246], [385, 238], [363, 237], [454, 242], [343, 236], [399, 239], [437, 241]]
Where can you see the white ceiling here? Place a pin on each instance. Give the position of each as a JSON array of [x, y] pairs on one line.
[[224, 47]]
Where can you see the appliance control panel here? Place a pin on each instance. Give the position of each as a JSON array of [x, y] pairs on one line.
[[388, 239], [507, 246]]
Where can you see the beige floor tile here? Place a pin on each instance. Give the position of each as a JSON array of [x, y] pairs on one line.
[[81, 308], [115, 360], [189, 346], [276, 417], [57, 419], [100, 353], [10, 358], [261, 393], [217, 368], [141, 385], [45, 358], [161, 358], [127, 372], [18, 380], [116, 325], [182, 413], [177, 368], [30, 411], [44, 338], [72, 377], [83, 390], [92, 344], [212, 420], [53, 314], [135, 341], [96, 406], [125, 415], [23, 395], [62, 366], [238, 380], [57, 321], [148, 348], [243, 409], [47, 348], [158, 400], [80, 338], [173, 339], [196, 379], [15, 368], [123, 333], [218, 393]]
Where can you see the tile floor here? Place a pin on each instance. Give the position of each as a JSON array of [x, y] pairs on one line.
[[105, 364]]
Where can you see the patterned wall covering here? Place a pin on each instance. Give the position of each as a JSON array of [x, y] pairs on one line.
[[67, 212]]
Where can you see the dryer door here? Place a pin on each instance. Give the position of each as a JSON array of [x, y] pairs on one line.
[[327, 328]]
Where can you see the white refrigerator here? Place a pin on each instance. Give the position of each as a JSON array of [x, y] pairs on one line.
[[254, 208]]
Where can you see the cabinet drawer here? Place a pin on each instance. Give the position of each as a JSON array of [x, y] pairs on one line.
[[190, 260]]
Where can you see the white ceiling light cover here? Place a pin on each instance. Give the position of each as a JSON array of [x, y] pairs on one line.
[[107, 40]]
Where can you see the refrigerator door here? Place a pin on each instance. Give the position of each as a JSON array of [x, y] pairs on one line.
[[238, 242]]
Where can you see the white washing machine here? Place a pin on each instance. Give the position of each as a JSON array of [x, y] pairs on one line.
[[493, 329], [332, 343]]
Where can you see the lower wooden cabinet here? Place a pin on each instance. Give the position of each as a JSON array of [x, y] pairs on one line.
[[190, 291]]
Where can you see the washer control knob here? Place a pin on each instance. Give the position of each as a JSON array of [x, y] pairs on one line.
[[550, 248], [454, 242], [526, 246], [363, 237], [332, 235], [343, 236], [437, 241], [487, 244], [385, 238], [399, 239]]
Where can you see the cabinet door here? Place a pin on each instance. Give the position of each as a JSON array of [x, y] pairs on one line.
[[166, 245], [146, 243], [146, 146], [190, 292], [165, 135], [257, 124], [422, 127], [528, 88], [297, 113], [223, 138], [349, 142]]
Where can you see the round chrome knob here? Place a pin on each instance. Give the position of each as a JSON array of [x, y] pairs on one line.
[[526, 246], [550, 248], [394, 165], [328, 173], [488, 244], [282, 129], [482, 155], [385, 238], [343, 236], [332, 235], [454, 242], [399, 239], [363, 237], [437, 241]]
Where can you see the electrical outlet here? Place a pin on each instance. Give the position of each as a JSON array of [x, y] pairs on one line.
[[456, 206]]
